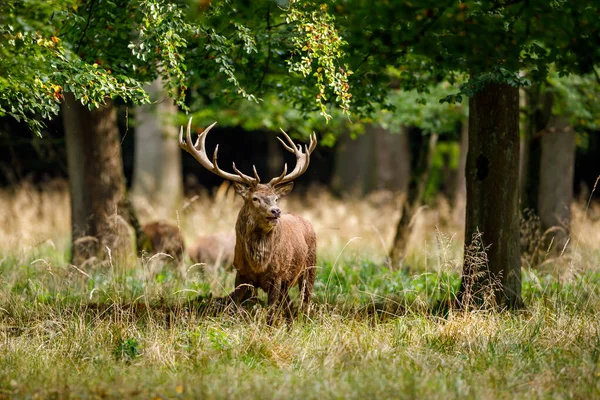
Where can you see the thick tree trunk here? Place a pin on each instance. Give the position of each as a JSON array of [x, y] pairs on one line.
[[157, 175], [556, 181], [96, 181], [414, 198], [492, 200]]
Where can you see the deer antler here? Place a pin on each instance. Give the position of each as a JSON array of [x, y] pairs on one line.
[[198, 151], [302, 158]]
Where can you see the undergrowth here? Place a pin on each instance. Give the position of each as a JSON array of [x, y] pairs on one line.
[[127, 331], [132, 329]]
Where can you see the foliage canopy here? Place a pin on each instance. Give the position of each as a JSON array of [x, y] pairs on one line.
[[104, 48], [306, 53]]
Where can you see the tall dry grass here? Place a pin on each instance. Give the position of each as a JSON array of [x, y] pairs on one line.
[[126, 331], [36, 215]]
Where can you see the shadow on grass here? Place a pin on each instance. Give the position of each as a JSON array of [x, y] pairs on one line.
[[207, 307]]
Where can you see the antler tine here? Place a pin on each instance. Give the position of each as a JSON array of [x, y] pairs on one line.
[[198, 151], [214, 160], [247, 179], [302, 158], [313, 142], [280, 177], [288, 148], [255, 173]]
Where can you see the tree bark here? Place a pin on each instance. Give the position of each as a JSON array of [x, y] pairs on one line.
[[157, 175], [97, 182], [460, 195], [414, 199], [556, 181], [492, 200]]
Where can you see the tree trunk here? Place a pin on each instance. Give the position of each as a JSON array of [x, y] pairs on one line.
[[391, 159], [539, 101], [556, 181], [157, 175], [414, 198], [375, 160], [96, 182], [354, 167], [492, 247], [541, 110], [460, 195]]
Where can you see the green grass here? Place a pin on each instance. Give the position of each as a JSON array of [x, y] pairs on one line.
[[126, 331]]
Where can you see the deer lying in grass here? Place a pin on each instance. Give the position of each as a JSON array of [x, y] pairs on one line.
[[214, 250], [161, 237], [157, 236], [274, 251]]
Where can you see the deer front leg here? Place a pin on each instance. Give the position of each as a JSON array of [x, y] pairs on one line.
[[286, 303], [274, 299], [244, 289], [305, 285]]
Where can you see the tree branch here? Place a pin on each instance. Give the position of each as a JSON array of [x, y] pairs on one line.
[[268, 60], [596, 74], [87, 25]]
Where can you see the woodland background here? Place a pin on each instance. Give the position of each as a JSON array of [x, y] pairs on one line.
[[453, 192]]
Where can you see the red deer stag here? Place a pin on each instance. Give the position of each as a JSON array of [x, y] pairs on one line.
[[274, 250]]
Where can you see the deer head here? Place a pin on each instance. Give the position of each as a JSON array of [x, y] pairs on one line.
[[260, 199]]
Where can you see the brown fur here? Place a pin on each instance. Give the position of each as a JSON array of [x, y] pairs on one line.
[[216, 250], [275, 254], [161, 237]]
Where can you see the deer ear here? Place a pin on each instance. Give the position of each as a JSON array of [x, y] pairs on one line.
[[241, 189], [284, 189]]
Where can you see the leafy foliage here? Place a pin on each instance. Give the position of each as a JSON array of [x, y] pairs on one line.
[[321, 45], [576, 98], [491, 41], [36, 66], [105, 48]]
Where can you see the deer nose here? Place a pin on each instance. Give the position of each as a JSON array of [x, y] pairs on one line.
[[276, 212]]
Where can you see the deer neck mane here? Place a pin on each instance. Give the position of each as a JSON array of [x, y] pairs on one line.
[[258, 243]]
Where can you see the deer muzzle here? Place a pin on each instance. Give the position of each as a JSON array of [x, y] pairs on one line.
[[273, 214]]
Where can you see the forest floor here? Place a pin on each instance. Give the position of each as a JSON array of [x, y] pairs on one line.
[[138, 329]]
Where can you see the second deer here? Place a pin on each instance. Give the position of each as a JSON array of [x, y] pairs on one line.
[[274, 250]]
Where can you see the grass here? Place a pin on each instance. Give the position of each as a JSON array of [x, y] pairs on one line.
[[134, 331]]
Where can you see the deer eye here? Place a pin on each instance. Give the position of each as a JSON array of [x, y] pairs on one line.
[[255, 198]]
